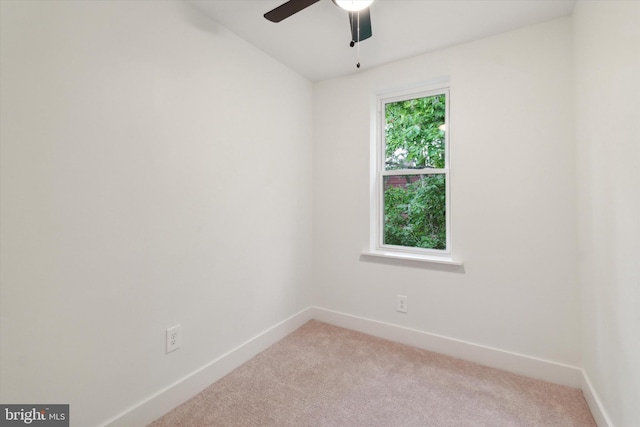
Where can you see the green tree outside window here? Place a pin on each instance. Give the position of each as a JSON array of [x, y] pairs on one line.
[[415, 203]]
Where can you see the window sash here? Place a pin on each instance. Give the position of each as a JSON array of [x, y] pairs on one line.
[[425, 171]]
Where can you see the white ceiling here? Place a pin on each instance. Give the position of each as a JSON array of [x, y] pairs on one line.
[[315, 41]]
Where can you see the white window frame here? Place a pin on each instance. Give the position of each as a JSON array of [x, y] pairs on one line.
[[377, 248]]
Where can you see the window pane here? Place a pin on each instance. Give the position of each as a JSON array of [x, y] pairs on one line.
[[414, 133], [415, 211]]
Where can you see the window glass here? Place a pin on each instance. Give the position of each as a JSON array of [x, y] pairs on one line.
[[415, 133], [415, 211], [413, 174]]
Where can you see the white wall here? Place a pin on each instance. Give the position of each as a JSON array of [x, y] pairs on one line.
[[122, 212], [155, 171], [607, 69], [513, 198]]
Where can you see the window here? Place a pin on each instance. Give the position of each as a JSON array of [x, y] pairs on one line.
[[410, 188]]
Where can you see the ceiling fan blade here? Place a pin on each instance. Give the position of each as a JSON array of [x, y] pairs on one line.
[[287, 9], [365, 25]]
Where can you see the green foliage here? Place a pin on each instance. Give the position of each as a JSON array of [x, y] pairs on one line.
[[415, 207], [415, 213], [413, 137]]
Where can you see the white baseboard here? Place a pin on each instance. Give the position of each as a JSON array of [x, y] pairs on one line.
[[182, 390], [594, 402], [517, 363], [158, 404]]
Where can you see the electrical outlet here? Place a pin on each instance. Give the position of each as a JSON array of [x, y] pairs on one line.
[[402, 304], [174, 338]]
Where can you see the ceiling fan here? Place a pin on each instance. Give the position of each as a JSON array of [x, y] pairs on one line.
[[359, 15]]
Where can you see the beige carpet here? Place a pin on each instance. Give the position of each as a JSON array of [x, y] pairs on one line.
[[322, 375]]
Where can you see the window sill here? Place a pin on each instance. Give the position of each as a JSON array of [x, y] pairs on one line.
[[388, 255]]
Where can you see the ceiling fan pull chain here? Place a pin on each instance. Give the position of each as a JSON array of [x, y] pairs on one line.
[[358, 41]]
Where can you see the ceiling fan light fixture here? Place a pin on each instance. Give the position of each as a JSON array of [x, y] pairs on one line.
[[353, 5]]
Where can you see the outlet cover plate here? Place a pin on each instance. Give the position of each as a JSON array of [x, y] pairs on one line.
[[402, 304], [174, 338]]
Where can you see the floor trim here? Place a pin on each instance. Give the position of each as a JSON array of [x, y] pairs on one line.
[[594, 402], [546, 370], [158, 404]]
